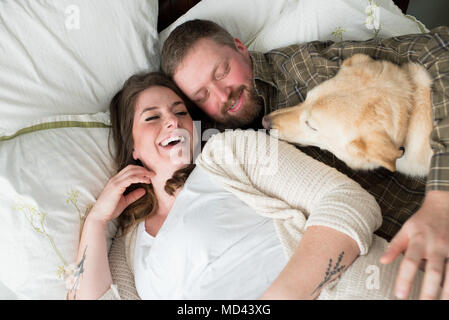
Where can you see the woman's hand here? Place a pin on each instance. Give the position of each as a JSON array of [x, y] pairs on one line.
[[111, 202]]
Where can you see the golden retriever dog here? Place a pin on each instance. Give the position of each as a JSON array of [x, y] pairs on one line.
[[371, 114]]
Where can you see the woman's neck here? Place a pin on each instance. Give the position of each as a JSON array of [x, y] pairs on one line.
[[164, 200]]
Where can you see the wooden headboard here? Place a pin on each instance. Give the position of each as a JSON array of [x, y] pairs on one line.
[[170, 10]]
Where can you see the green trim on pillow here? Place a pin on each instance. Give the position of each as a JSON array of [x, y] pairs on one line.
[[56, 125]]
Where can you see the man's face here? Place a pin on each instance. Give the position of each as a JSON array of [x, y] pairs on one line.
[[218, 79]]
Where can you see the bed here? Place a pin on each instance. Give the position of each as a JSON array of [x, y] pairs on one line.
[[62, 61]]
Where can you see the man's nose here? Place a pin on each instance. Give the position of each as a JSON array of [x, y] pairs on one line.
[[222, 92]]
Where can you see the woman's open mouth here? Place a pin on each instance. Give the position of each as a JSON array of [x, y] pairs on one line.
[[172, 141]]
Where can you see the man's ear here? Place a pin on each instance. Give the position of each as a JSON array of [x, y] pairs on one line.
[[377, 148], [240, 46]]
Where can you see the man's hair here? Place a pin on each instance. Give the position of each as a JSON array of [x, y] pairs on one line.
[[185, 36]]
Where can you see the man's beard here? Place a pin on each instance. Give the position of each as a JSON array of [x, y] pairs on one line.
[[247, 113]]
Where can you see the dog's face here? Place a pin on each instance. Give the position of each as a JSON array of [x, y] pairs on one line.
[[338, 117]]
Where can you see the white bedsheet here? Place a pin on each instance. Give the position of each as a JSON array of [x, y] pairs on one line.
[[6, 293]]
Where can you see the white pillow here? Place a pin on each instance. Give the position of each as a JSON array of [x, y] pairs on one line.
[[48, 179], [242, 19], [266, 25], [70, 56], [309, 20]]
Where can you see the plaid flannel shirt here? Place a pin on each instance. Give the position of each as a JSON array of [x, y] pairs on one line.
[[283, 76]]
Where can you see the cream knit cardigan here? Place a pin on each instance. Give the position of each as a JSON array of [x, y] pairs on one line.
[[279, 181]]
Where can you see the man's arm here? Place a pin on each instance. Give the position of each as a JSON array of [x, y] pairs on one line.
[[322, 255], [424, 236], [319, 61]]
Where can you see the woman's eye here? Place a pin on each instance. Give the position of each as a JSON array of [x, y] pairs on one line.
[[181, 113], [151, 118]]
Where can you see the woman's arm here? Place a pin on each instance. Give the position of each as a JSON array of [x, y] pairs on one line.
[[93, 277], [321, 256], [279, 181], [332, 215]]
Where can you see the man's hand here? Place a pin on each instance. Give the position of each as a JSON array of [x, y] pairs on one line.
[[425, 236]]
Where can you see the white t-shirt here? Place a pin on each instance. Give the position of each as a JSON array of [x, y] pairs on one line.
[[211, 246]]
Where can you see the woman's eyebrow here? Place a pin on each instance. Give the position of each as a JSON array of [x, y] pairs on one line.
[[174, 104], [147, 109]]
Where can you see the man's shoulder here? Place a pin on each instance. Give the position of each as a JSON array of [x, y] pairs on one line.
[[293, 52], [266, 64], [328, 46], [282, 52], [293, 49]]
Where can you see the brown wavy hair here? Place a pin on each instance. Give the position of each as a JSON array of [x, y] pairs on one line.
[[122, 109]]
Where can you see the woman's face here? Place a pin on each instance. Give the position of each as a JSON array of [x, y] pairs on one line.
[[162, 130]]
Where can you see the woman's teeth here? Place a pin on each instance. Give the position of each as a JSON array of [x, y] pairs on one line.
[[172, 141]]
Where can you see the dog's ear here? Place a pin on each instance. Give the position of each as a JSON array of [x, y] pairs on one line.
[[358, 58], [377, 148]]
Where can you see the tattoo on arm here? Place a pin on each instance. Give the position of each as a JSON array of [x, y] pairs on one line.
[[329, 273], [78, 273]]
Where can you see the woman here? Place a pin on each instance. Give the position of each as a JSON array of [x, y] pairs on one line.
[[207, 232]]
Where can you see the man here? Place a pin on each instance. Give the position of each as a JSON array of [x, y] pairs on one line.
[[237, 88]]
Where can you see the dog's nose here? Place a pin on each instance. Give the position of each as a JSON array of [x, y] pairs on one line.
[[266, 122]]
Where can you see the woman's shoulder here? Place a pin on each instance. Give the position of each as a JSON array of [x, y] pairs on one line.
[[236, 141]]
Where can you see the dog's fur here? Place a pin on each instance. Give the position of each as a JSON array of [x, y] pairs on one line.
[[365, 115]]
